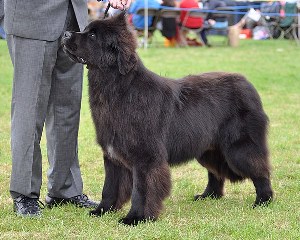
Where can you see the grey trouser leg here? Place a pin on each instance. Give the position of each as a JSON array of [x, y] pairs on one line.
[[46, 87]]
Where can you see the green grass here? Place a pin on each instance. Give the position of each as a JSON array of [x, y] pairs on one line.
[[273, 67]]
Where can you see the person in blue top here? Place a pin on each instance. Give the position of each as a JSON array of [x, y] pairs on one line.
[[138, 21]]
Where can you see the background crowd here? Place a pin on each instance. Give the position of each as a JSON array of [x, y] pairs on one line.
[[266, 20]]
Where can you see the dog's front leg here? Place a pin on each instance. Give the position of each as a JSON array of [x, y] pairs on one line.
[[116, 190], [151, 184], [138, 198]]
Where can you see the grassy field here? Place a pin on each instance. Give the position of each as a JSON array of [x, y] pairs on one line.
[[273, 67]]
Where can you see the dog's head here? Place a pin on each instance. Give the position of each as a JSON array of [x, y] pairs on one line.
[[104, 43]]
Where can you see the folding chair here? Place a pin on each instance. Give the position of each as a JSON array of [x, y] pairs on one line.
[[225, 13], [286, 27], [296, 27], [169, 13], [152, 12], [195, 14], [270, 16]]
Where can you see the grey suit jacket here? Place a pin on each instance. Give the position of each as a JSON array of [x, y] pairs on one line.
[[41, 19]]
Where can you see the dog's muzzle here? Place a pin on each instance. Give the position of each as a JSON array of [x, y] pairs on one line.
[[70, 48]]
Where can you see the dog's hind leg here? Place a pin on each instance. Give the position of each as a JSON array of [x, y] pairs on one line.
[[151, 184], [250, 160], [213, 161], [264, 193], [117, 188], [214, 188]]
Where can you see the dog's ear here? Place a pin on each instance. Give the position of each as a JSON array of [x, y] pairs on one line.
[[126, 60], [121, 18], [127, 57]]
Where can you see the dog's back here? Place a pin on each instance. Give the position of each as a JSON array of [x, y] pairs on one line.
[[205, 105]]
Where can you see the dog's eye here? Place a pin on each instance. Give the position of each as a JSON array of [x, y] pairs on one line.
[[92, 35]]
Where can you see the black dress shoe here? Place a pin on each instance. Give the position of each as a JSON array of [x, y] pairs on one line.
[[27, 207], [79, 201]]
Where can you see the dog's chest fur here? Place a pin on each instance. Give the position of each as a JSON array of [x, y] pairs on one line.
[[105, 107], [127, 113]]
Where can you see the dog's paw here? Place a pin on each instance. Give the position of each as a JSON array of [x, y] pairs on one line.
[[101, 210], [205, 195], [97, 212], [132, 221], [262, 202]]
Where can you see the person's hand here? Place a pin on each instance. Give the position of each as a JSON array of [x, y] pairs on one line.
[[120, 4], [211, 22]]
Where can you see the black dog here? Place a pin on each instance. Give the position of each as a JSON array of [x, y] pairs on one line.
[[145, 122]]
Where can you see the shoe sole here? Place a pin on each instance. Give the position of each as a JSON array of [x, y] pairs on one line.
[[51, 205]]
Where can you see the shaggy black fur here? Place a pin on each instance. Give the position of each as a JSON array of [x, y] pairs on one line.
[[145, 122]]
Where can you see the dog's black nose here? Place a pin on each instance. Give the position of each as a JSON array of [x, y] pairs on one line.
[[67, 35]]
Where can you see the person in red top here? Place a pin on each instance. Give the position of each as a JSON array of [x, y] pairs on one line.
[[190, 22]]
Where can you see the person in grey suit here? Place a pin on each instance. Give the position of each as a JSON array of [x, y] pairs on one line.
[[47, 88]]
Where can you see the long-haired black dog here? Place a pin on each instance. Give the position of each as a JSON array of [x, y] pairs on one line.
[[145, 122]]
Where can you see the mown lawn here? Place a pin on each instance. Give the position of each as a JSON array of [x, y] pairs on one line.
[[273, 67]]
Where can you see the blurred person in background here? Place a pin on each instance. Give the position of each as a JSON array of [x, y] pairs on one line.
[[138, 21], [189, 22], [169, 26]]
